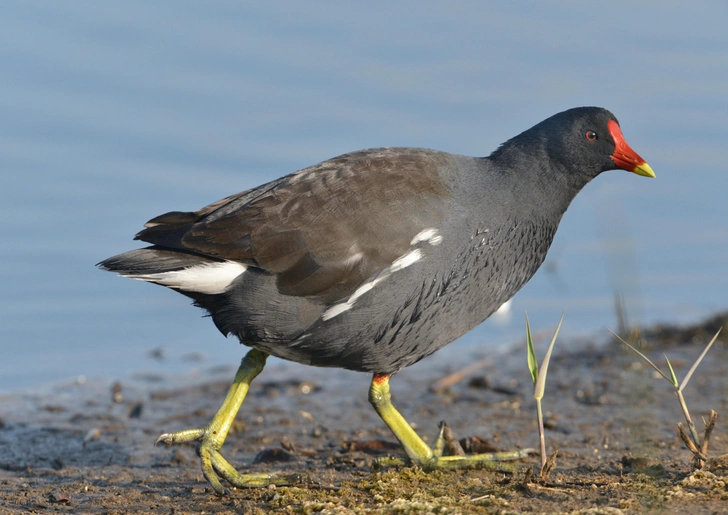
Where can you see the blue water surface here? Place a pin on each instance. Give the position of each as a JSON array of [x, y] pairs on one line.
[[114, 112]]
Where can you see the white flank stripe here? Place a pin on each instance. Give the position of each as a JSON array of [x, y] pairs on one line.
[[334, 310], [210, 278], [339, 308], [412, 257], [361, 290], [431, 236]]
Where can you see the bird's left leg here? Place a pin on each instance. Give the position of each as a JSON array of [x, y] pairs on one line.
[[417, 450], [212, 437]]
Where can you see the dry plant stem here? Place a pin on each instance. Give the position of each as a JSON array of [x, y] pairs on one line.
[[688, 441], [686, 413], [709, 426], [549, 466], [698, 457], [451, 443]]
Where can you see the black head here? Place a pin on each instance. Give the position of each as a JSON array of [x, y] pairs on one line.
[[583, 141]]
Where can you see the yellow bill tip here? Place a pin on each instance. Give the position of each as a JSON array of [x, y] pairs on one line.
[[644, 170]]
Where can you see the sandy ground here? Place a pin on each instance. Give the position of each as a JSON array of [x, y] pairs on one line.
[[87, 448]]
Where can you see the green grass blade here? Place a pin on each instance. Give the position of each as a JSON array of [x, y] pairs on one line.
[[697, 362], [532, 362], [541, 380], [672, 372]]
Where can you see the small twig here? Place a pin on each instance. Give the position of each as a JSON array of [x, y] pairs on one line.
[[524, 486], [709, 426], [527, 476], [698, 457], [549, 466], [459, 375], [687, 440], [451, 443]]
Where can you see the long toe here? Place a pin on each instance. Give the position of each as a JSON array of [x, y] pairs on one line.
[[188, 435], [491, 461], [496, 461], [215, 467], [235, 478]]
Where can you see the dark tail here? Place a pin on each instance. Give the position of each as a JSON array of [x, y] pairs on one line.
[[152, 260]]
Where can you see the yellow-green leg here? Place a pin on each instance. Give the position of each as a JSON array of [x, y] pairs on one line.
[[417, 450], [212, 437]]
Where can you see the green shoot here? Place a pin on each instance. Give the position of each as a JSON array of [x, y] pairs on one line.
[[539, 380]]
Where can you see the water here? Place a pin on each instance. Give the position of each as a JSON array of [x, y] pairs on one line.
[[114, 113]]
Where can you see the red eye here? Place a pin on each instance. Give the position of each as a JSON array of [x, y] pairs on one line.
[[591, 136]]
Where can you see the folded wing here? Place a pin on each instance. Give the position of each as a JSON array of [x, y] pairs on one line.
[[323, 230]]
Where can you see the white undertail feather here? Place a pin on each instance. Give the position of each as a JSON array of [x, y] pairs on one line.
[[211, 279]]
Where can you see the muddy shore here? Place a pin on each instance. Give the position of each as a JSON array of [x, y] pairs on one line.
[[86, 447]]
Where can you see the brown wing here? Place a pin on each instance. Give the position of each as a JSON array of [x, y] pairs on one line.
[[323, 230]]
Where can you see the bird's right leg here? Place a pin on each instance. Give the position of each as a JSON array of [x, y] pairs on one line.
[[212, 437], [417, 450]]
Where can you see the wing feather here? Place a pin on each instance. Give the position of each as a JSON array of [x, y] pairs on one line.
[[323, 230]]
